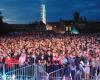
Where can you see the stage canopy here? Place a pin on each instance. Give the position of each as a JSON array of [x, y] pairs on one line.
[[74, 31]]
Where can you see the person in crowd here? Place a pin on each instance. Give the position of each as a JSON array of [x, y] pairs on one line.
[[22, 59], [87, 70]]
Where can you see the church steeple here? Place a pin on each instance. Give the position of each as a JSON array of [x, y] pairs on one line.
[[43, 12]]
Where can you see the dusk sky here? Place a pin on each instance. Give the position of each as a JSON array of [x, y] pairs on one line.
[[27, 11]]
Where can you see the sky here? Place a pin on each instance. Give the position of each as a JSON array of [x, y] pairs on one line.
[[27, 11]]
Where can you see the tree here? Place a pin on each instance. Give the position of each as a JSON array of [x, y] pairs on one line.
[[85, 19], [2, 27], [76, 17], [1, 17]]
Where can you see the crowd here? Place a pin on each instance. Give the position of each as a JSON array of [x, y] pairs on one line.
[[73, 52]]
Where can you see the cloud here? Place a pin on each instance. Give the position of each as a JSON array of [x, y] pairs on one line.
[[9, 20], [2, 9]]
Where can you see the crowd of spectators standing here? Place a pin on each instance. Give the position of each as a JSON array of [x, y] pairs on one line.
[[73, 52]]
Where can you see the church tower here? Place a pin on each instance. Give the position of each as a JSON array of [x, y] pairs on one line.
[[43, 12]]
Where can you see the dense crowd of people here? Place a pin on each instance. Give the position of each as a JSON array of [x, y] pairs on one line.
[[73, 52]]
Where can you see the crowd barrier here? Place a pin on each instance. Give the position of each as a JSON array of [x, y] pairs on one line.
[[56, 75], [41, 74], [59, 72], [16, 72], [98, 77], [38, 72]]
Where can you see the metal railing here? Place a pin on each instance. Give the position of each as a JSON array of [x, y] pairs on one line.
[[41, 73], [24, 72], [16, 72], [98, 77], [56, 75], [37, 72]]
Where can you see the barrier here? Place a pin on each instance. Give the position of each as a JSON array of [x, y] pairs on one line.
[[38, 72], [23, 72], [65, 74], [16, 72], [56, 75], [1, 78], [41, 73], [98, 77]]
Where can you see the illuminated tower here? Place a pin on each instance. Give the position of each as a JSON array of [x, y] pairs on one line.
[[43, 12]]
